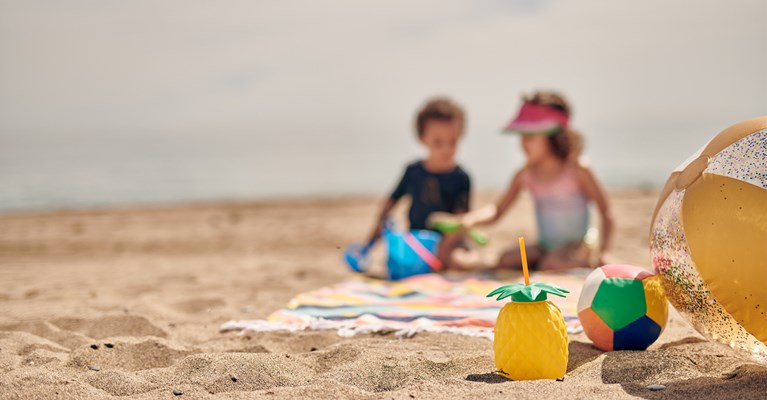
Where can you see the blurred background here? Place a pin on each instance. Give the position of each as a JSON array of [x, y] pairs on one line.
[[115, 102]]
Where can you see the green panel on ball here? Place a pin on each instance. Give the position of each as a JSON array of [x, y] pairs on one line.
[[619, 302]]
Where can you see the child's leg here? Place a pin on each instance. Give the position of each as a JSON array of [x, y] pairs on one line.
[[447, 244], [455, 253], [572, 255], [447, 247], [511, 259]]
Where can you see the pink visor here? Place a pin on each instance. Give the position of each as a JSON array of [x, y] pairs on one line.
[[537, 119]]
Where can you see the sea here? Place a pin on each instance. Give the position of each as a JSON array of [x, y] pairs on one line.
[[83, 170]]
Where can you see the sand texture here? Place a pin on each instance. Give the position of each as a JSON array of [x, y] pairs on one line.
[[128, 303]]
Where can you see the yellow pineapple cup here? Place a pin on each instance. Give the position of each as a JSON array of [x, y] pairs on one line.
[[530, 332]]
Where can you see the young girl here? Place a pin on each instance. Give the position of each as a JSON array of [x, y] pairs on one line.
[[561, 186]]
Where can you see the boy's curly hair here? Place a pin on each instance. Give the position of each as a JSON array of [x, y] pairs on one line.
[[566, 144], [439, 109]]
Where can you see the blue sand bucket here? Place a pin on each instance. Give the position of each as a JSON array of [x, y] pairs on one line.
[[357, 256], [412, 253]]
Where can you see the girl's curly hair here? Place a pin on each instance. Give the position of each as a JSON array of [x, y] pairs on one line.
[[566, 144]]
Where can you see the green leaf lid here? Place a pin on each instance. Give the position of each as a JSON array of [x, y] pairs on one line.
[[528, 293]]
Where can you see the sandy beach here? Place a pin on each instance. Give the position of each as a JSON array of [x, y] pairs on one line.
[[127, 302]]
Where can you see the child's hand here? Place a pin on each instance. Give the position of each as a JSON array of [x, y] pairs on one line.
[[479, 216], [376, 232]]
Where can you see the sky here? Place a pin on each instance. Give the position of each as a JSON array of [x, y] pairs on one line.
[[302, 78]]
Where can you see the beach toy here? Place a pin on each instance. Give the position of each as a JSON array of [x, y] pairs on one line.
[[357, 256], [451, 223], [412, 253], [408, 253], [476, 236], [622, 307], [530, 332], [708, 238]]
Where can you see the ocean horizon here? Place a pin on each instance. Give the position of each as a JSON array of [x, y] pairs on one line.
[[255, 100], [44, 172]]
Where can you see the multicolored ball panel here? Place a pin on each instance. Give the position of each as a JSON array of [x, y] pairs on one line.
[[596, 329], [655, 300], [622, 307], [637, 335], [619, 301]]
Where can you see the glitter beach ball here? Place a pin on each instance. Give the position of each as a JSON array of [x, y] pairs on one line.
[[622, 307], [708, 238]]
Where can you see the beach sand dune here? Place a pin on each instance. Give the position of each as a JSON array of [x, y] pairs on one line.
[[128, 303]]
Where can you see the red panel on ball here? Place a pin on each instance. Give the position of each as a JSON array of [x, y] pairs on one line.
[[596, 329], [624, 271]]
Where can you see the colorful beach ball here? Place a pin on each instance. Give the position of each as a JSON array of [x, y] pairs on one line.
[[622, 307], [708, 238]]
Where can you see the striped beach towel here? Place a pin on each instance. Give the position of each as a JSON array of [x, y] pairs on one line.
[[422, 303]]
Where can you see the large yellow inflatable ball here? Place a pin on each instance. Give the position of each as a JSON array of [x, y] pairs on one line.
[[708, 238]]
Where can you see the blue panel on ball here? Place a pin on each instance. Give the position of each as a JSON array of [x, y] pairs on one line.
[[637, 335]]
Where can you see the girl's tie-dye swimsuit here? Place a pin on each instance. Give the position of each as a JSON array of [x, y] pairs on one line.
[[561, 209]]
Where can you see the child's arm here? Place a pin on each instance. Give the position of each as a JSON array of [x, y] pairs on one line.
[[398, 192], [379, 222], [491, 214], [595, 193]]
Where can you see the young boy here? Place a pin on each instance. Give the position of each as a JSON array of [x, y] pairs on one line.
[[437, 183]]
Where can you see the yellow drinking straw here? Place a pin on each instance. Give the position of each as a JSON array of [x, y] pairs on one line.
[[524, 260]]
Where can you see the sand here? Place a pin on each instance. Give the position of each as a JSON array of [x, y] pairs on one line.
[[128, 302]]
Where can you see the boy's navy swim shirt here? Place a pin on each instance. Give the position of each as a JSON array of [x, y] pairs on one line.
[[433, 192]]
